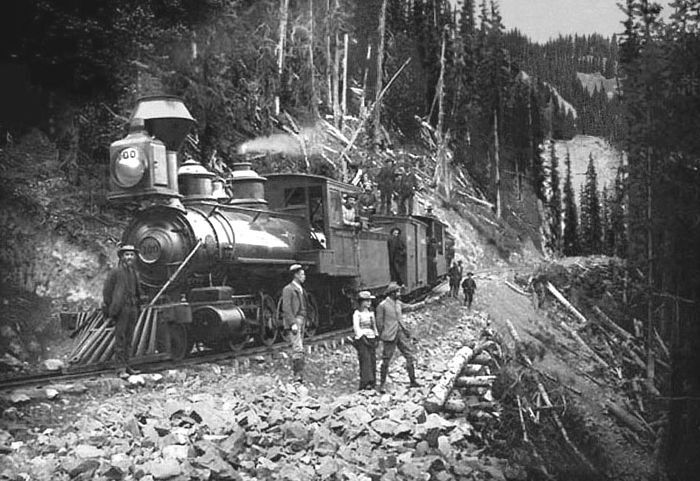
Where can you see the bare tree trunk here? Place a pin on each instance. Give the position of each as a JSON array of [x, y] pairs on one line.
[[441, 91], [312, 69], [650, 274], [380, 61], [335, 80], [497, 162], [344, 95], [329, 61], [363, 106], [284, 8]]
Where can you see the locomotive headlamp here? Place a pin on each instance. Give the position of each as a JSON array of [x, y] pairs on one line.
[[129, 167]]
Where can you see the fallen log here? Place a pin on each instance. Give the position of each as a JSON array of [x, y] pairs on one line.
[[476, 200], [474, 381], [575, 335], [610, 324], [560, 297], [562, 430], [474, 370], [517, 289], [441, 390], [626, 418]]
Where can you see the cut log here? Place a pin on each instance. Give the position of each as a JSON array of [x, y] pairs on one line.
[[610, 324], [474, 381], [575, 335], [560, 297], [626, 418], [475, 370], [517, 289], [476, 200], [440, 392]]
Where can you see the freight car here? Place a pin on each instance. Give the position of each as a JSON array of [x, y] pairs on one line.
[[214, 253]]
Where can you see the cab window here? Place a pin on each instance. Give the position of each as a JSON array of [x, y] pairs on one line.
[[336, 209]]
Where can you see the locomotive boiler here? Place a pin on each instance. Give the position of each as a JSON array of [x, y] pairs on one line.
[[214, 250]]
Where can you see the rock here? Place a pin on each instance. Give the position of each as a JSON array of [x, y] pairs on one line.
[[131, 426], [121, 461], [53, 364], [324, 441], [327, 467], [114, 473], [421, 449], [88, 451], [176, 451], [410, 471], [235, 443], [51, 393], [76, 467], [444, 446], [296, 430], [357, 415], [19, 397], [136, 380], [384, 427], [162, 469]]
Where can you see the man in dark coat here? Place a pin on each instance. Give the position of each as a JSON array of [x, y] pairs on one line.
[[397, 255], [394, 334], [121, 295], [385, 182], [468, 287], [294, 312], [407, 189]]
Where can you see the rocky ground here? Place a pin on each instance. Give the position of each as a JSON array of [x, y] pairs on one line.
[[220, 422]]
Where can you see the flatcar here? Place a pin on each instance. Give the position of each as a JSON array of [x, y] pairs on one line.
[[215, 260]]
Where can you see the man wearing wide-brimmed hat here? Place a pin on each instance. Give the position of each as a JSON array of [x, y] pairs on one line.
[[294, 317], [121, 294], [394, 333]]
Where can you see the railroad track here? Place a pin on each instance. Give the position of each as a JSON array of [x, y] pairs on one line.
[[160, 362]]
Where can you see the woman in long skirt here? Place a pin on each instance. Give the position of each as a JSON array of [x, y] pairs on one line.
[[365, 327]]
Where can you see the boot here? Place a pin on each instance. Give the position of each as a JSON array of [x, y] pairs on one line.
[[412, 375], [383, 374]]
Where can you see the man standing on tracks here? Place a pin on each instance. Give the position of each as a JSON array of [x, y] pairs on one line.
[[385, 181], [394, 333], [121, 294], [397, 255], [294, 316], [468, 287]]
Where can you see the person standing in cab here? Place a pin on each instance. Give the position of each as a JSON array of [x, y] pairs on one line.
[[121, 295], [294, 312], [350, 218], [365, 327], [468, 287], [385, 181], [394, 334], [368, 201], [397, 255]]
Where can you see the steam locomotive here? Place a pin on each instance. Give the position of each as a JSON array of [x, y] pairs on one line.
[[214, 252]]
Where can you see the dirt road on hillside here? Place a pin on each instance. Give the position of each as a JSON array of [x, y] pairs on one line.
[[556, 354]]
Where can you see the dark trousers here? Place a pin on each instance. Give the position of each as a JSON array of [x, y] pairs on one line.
[[403, 343], [123, 332], [468, 297], [395, 269], [366, 354], [386, 201]]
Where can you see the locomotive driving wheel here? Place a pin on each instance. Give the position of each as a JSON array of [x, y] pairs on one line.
[[267, 316], [311, 316], [180, 345]]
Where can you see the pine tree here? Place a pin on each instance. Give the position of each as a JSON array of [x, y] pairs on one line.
[[571, 244], [555, 205], [591, 225]]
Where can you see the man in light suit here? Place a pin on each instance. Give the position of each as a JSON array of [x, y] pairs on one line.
[[294, 316]]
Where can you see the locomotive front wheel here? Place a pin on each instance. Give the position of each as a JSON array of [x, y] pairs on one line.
[[268, 327], [180, 345]]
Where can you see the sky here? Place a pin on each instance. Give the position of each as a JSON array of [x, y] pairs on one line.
[[542, 19]]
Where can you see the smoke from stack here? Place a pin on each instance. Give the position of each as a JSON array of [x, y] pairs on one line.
[[308, 139]]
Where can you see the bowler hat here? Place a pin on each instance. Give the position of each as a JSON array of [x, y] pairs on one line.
[[126, 248], [470, 273], [295, 267], [392, 287], [365, 296]]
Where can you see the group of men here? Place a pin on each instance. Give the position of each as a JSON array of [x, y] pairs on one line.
[[397, 183], [457, 280]]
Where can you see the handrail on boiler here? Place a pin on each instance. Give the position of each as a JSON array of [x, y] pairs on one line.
[[175, 274]]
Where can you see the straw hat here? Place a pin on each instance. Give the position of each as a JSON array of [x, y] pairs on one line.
[[365, 296], [295, 267]]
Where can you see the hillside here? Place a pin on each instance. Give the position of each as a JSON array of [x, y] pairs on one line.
[[606, 158], [593, 81]]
